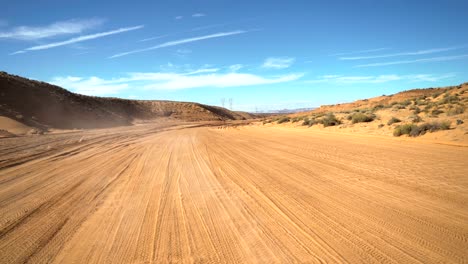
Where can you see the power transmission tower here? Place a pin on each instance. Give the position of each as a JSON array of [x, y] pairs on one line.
[[223, 100], [230, 103]]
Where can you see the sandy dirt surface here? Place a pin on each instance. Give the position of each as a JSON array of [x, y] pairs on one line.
[[190, 193]]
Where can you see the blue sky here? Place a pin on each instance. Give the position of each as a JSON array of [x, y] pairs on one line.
[[263, 54]]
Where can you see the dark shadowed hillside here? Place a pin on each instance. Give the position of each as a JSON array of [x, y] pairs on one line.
[[42, 105]]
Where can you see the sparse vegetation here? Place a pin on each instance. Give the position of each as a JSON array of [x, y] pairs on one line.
[[309, 122], [283, 119], [393, 120], [404, 129], [330, 120], [448, 99], [297, 119], [415, 118], [414, 130], [378, 107], [405, 103], [436, 112], [456, 110], [360, 117]]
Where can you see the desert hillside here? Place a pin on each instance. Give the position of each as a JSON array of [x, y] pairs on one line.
[[27, 104], [414, 113]]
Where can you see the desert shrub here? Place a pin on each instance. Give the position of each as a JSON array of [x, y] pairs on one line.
[[399, 106], [416, 110], [393, 120], [404, 129], [414, 130], [360, 117], [448, 99], [381, 125], [394, 103], [283, 119], [330, 120], [436, 112], [420, 102], [309, 122], [378, 107], [297, 119], [415, 118], [405, 103], [456, 110], [428, 107], [432, 127], [435, 95]]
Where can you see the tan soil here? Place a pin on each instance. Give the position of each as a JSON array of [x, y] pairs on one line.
[[190, 193]]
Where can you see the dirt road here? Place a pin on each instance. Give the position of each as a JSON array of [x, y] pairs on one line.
[[156, 194]]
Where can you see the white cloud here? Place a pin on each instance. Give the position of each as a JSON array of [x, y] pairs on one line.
[[340, 79], [204, 70], [56, 29], [168, 81], [177, 82], [198, 15], [443, 58], [278, 63], [178, 17], [152, 38], [79, 39], [235, 67], [89, 86], [179, 42], [412, 53], [359, 52]]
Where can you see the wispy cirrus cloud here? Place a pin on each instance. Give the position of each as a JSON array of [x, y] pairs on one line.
[[200, 78], [359, 52], [344, 79], [434, 59], [411, 53], [278, 62], [55, 29], [155, 37], [178, 17], [78, 39], [179, 42], [198, 15]]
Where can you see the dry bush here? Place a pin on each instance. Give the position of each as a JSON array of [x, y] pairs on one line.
[[393, 120]]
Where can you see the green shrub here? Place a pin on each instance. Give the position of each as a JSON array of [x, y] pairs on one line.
[[309, 122], [297, 119], [283, 119], [416, 110], [399, 106], [404, 129], [456, 110], [329, 120], [414, 130], [433, 126], [360, 117], [378, 107], [415, 118], [448, 99], [436, 112], [405, 103], [393, 120]]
